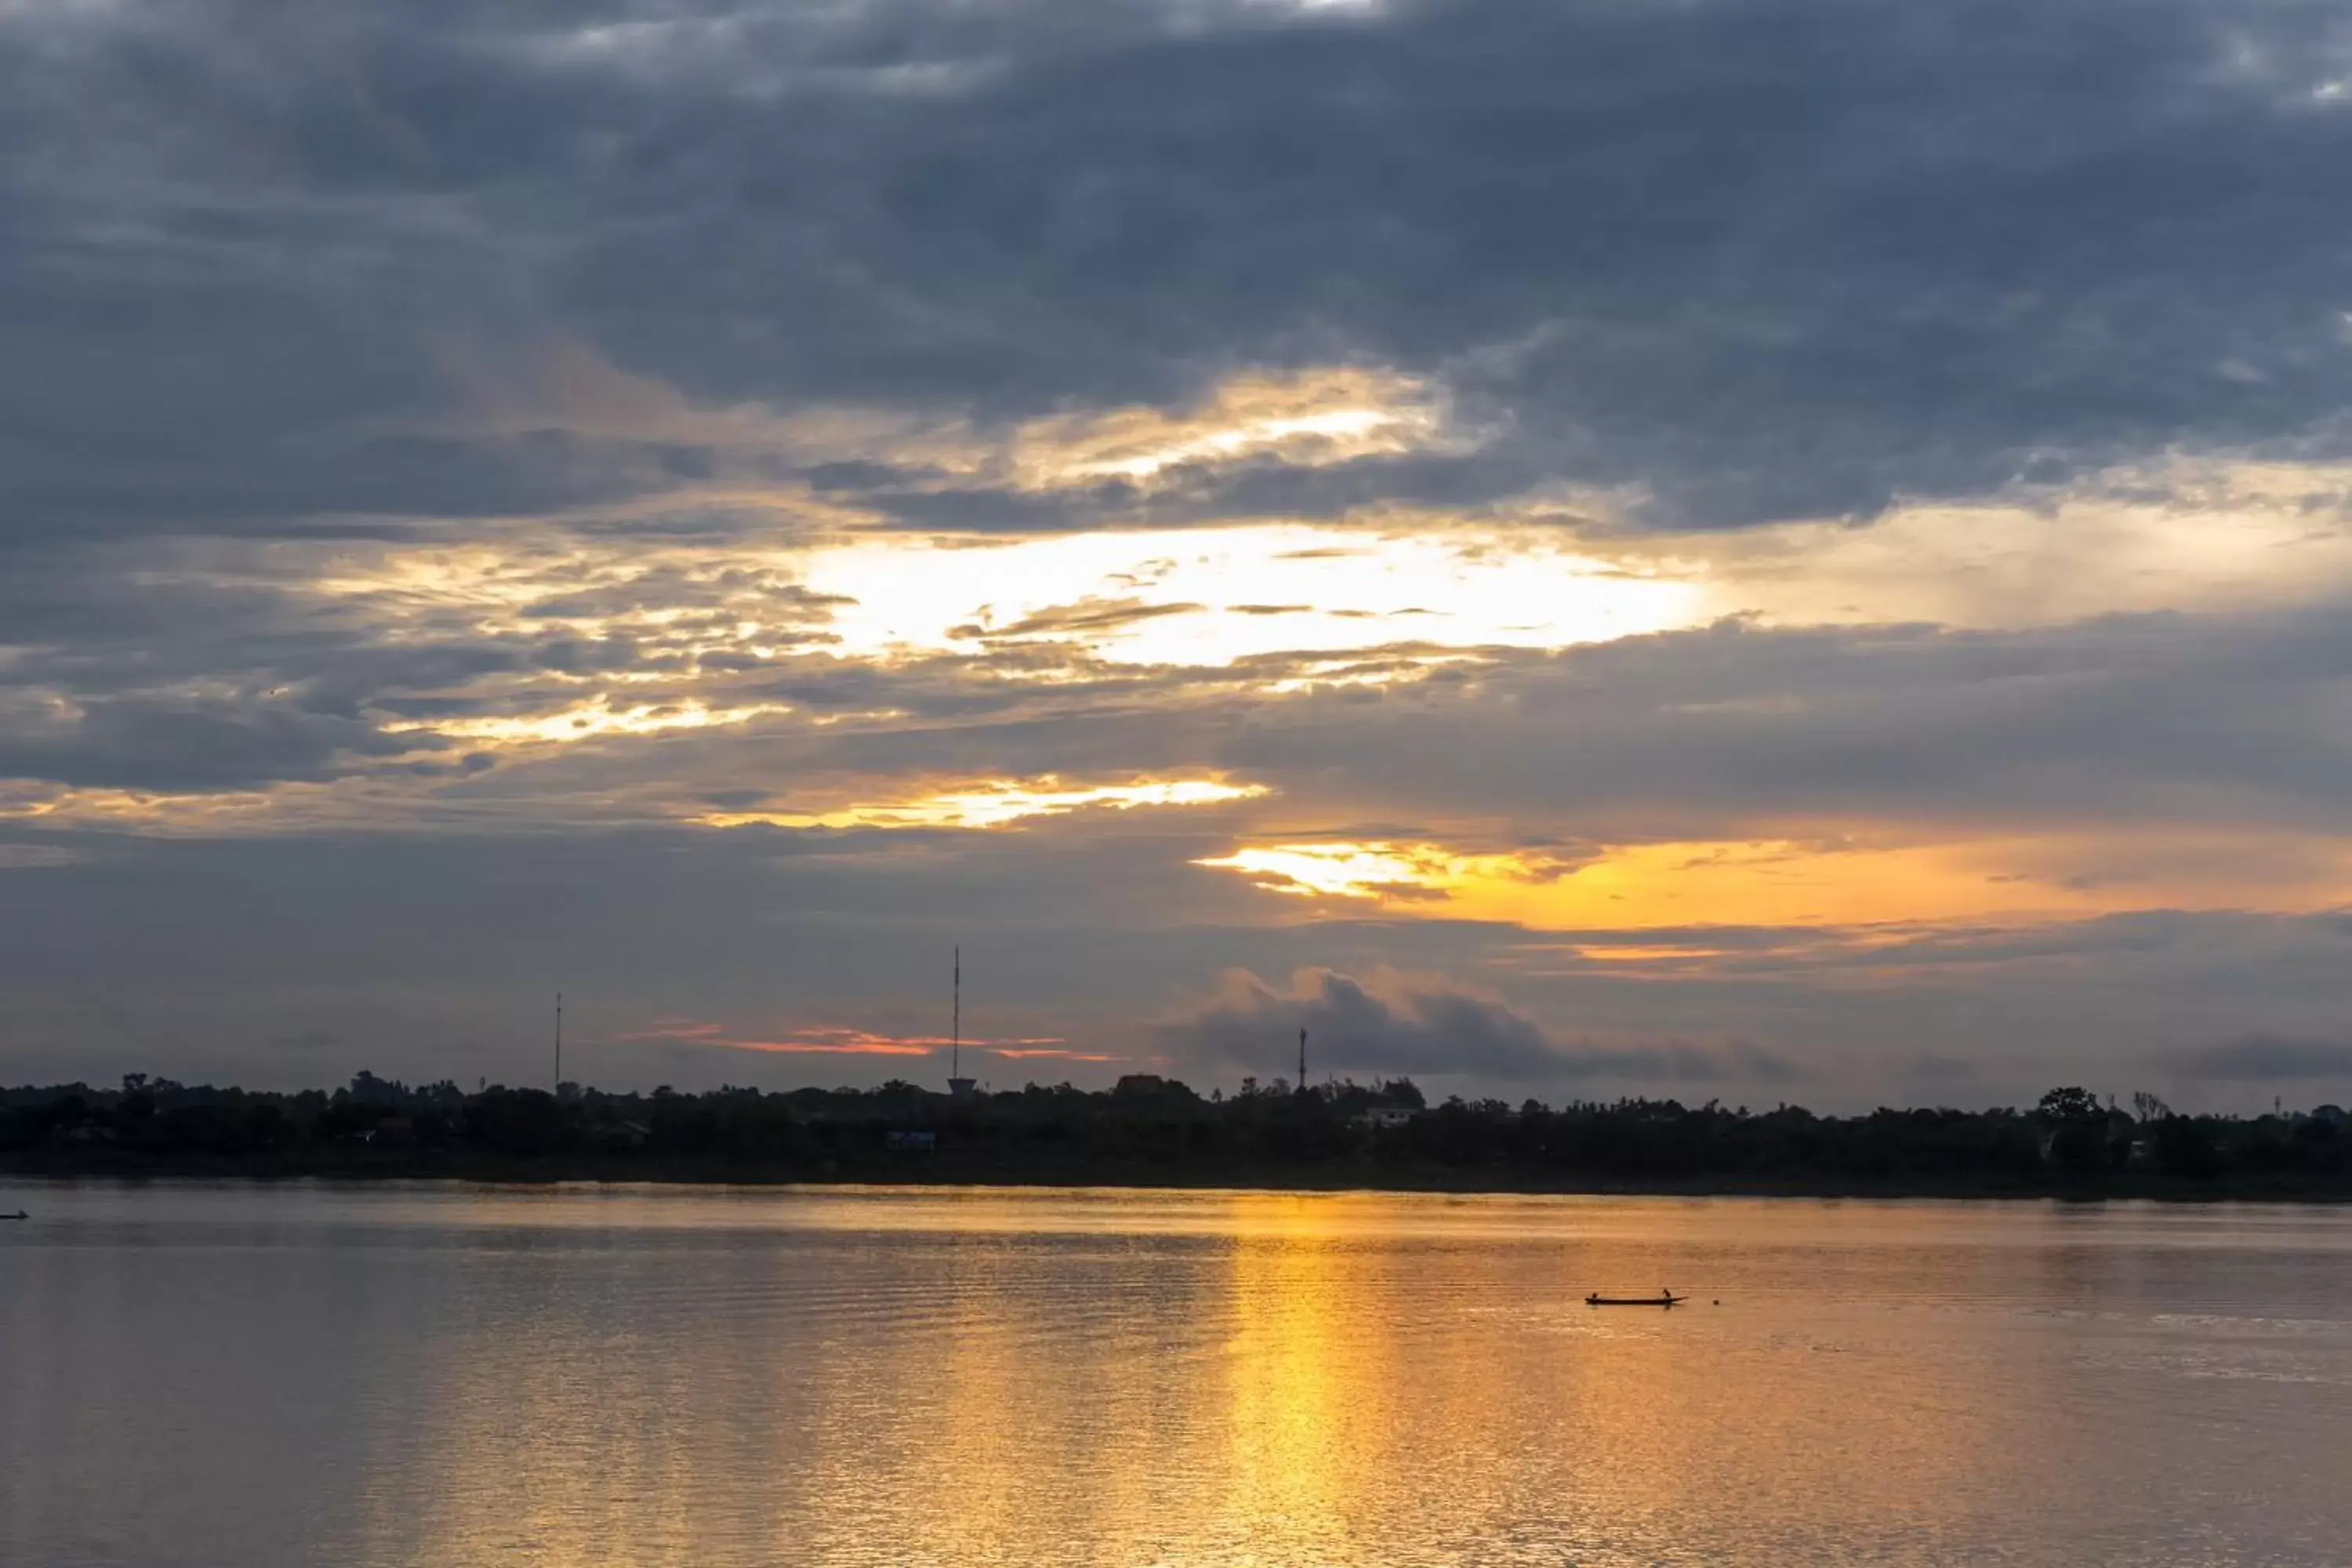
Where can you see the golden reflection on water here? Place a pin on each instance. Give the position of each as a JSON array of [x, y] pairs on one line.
[[1183, 1381], [1308, 1383]]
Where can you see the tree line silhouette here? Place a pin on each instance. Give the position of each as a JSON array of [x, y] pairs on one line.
[[1157, 1131]]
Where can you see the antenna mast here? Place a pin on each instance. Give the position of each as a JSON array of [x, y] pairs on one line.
[[1302, 1062], [558, 1043], [958, 1087]]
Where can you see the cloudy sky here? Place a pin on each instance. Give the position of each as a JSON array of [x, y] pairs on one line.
[[1770, 549]]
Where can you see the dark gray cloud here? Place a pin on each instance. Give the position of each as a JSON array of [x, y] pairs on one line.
[[2158, 719], [1414, 1025], [140, 746], [2264, 1058], [1763, 258]]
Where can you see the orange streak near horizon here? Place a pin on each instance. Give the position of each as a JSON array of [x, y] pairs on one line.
[[806, 1047], [842, 1042], [1840, 877]]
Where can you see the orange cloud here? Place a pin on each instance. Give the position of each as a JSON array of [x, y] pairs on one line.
[[1839, 878], [858, 1044], [832, 1040]]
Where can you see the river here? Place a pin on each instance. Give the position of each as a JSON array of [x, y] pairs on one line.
[[442, 1375]]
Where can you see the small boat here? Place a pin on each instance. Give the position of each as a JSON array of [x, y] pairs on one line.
[[20, 1214], [1662, 1299]]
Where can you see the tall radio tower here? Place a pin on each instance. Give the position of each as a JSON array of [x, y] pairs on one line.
[[959, 1086]]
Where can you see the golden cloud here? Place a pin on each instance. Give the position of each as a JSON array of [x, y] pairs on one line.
[[994, 803]]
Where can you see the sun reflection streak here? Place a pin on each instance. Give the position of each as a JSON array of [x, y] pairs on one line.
[[1309, 1386]]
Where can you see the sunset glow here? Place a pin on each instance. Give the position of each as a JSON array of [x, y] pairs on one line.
[[1171, 493], [1802, 882]]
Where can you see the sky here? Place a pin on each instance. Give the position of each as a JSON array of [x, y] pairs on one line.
[[1759, 550]]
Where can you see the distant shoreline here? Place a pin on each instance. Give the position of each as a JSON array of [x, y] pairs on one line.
[[1150, 1131], [947, 1172]]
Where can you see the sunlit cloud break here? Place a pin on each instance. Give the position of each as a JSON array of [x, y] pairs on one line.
[[590, 721], [1211, 595], [1306, 419], [997, 803], [1376, 869]]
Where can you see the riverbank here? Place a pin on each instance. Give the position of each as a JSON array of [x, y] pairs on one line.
[[1153, 1133]]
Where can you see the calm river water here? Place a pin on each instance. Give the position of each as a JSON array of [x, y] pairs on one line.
[[247, 1376]]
